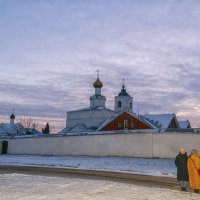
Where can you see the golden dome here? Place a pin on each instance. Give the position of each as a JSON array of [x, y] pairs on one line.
[[98, 84]]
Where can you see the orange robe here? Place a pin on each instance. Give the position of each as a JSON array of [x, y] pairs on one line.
[[194, 178]]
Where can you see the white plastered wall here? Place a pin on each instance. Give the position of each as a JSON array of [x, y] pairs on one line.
[[145, 145]]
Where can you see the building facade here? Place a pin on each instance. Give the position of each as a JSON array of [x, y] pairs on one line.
[[97, 117]]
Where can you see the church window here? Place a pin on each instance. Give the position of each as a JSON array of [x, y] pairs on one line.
[[119, 104], [125, 124]]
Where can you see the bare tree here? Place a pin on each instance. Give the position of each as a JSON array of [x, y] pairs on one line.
[[27, 122]]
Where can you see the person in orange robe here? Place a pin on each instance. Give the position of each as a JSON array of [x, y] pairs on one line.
[[193, 167]]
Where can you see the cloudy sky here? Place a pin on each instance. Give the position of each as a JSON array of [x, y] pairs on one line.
[[50, 51]]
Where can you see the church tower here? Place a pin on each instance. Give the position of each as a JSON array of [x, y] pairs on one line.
[[123, 102], [12, 118], [97, 100]]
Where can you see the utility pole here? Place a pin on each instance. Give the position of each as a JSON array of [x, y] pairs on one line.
[[138, 116]]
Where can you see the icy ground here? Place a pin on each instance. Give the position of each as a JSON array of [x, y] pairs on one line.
[[156, 167], [31, 187]]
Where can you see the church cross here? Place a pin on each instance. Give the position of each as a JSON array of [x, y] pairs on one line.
[[123, 80], [123, 86]]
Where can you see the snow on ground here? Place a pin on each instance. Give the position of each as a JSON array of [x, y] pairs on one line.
[[15, 186], [28, 187], [157, 167]]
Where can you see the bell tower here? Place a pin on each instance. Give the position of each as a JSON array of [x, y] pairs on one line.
[[123, 102]]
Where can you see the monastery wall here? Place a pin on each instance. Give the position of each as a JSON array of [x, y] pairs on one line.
[[145, 145]]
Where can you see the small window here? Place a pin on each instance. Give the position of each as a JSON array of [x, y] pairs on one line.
[[119, 124], [131, 105], [125, 124], [119, 104]]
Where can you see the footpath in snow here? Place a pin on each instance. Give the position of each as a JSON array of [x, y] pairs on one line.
[[155, 167]]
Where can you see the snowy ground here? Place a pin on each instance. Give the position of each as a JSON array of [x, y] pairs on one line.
[[157, 167], [30, 187], [15, 186]]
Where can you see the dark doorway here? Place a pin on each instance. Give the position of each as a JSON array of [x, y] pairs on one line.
[[4, 147]]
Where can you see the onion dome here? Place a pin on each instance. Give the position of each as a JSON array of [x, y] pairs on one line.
[[98, 84], [12, 116], [123, 91]]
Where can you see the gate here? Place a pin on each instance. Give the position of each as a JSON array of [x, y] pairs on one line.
[[4, 147]]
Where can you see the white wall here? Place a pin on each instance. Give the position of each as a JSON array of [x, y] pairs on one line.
[[167, 145], [148, 145]]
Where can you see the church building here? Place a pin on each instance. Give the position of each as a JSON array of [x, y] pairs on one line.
[[11, 128], [92, 117], [16, 128], [97, 117]]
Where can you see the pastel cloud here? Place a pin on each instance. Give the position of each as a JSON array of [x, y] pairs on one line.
[[50, 51]]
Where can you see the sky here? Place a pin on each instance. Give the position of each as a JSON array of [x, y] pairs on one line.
[[50, 51]]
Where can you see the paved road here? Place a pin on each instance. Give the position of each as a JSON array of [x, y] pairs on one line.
[[167, 182]]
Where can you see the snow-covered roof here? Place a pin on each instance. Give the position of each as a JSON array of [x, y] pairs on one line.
[[89, 108], [7, 129], [161, 121], [33, 131], [78, 128], [65, 130], [5, 126], [107, 121], [11, 129], [184, 124], [3, 131]]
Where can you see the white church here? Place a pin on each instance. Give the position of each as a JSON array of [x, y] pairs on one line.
[[16, 129], [97, 117]]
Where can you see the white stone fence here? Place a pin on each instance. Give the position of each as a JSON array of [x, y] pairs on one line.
[[145, 145]]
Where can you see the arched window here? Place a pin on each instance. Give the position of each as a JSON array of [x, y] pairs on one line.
[[131, 105], [119, 104]]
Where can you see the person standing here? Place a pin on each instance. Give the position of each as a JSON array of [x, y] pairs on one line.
[[193, 167], [182, 170]]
